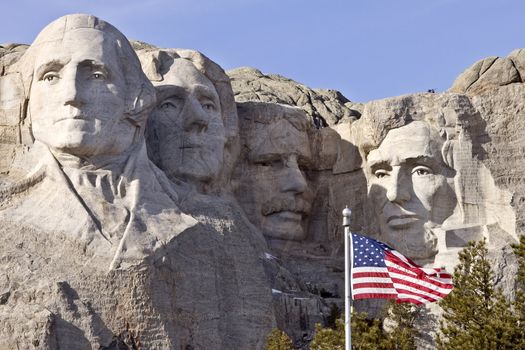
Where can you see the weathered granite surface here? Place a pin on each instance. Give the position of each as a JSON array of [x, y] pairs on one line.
[[324, 107], [149, 199]]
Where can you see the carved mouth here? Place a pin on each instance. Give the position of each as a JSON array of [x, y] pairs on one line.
[[297, 207], [288, 215], [75, 117], [401, 221]]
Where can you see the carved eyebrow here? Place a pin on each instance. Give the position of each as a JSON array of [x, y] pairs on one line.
[[381, 164], [424, 160], [55, 64], [94, 65], [165, 91], [207, 92]]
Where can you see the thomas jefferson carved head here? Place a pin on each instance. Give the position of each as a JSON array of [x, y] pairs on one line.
[[192, 133], [87, 93]]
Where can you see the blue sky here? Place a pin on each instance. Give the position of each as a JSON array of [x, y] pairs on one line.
[[367, 49]]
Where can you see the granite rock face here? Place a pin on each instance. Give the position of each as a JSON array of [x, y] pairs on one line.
[[323, 107], [148, 199]]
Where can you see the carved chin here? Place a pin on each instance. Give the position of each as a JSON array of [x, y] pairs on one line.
[[284, 225], [415, 245], [196, 165]]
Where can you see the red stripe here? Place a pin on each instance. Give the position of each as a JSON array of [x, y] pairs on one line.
[[372, 285], [371, 274], [419, 287], [442, 273], [415, 269], [424, 278], [403, 291], [409, 300], [375, 296]]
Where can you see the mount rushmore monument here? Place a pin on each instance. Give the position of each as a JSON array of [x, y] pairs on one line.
[[149, 199]]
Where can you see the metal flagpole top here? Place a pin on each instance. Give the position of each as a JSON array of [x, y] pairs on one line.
[[347, 213]]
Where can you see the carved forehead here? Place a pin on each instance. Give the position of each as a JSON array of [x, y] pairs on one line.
[[83, 44], [273, 129], [183, 73], [80, 31], [279, 138], [63, 25], [412, 141]]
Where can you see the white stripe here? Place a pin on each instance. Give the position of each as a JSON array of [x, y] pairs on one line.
[[421, 283], [433, 278], [411, 290], [373, 291], [428, 271], [423, 300], [399, 267], [419, 291], [369, 269], [371, 279]]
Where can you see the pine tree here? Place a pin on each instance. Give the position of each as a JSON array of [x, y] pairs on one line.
[[519, 303], [368, 334], [278, 340], [329, 338], [402, 335], [475, 314]]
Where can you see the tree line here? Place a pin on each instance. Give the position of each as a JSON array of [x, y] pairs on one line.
[[476, 315]]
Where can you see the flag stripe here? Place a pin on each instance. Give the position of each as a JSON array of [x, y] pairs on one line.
[[379, 271]]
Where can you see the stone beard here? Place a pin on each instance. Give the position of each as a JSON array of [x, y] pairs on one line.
[[273, 186], [409, 189]]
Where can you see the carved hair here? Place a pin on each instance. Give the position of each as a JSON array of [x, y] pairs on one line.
[[447, 114], [268, 113], [140, 96]]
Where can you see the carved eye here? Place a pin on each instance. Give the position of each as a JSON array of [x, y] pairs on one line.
[[98, 76], [167, 104], [422, 170], [208, 106], [172, 102], [380, 173], [269, 162], [50, 77]]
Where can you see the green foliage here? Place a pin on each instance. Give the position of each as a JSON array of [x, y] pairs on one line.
[[278, 340], [368, 334], [475, 314], [519, 251], [519, 303], [329, 338], [403, 333]]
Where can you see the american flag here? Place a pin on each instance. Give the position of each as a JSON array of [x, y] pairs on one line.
[[379, 271]]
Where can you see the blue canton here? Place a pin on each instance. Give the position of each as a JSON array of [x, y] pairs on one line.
[[368, 252]]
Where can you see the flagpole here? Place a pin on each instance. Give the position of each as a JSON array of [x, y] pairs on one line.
[[348, 283]]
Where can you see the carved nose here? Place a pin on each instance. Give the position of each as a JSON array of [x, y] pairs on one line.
[[293, 179], [195, 118], [398, 190], [71, 90]]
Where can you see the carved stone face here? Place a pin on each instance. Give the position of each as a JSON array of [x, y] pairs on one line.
[[188, 125], [276, 196], [408, 188], [77, 98]]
